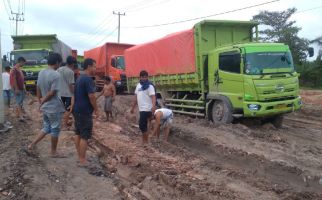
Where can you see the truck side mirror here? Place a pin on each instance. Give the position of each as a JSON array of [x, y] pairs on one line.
[[311, 51], [113, 62]]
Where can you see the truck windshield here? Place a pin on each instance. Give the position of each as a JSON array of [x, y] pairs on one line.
[[120, 62], [32, 57], [268, 63]]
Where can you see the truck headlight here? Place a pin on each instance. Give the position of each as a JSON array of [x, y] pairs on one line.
[[300, 101], [254, 107]]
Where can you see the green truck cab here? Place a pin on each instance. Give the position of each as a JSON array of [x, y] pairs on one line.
[[234, 76], [35, 49]]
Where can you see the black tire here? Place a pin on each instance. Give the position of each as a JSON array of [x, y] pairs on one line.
[[222, 111], [277, 121]]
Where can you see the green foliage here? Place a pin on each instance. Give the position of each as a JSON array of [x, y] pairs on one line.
[[280, 29], [311, 74]]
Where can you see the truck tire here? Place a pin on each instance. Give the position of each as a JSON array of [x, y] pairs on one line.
[[277, 121], [222, 111]]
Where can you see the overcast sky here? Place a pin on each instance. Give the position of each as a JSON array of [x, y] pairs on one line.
[[84, 24]]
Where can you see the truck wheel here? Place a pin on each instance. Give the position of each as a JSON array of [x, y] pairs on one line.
[[222, 111], [277, 121]]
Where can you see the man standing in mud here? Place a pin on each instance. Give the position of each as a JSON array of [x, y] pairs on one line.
[[146, 100], [50, 103], [67, 82], [17, 84], [109, 93], [84, 103]]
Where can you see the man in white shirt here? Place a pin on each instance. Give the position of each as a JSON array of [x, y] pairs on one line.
[[146, 100], [163, 120], [6, 88]]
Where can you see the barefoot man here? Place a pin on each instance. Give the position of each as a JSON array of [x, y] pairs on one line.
[[109, 92], [50, 103], [146, 101], [84, 104]]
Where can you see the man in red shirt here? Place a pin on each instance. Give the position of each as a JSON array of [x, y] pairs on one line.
[[17, 83]]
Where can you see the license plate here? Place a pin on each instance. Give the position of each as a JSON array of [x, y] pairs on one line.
[[280, 106], [30, 82]]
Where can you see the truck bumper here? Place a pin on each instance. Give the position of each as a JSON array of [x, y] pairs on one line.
[[270, 108], [31, 85]]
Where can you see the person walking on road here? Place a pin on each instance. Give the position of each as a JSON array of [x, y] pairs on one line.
[[67, 82], [84, 104], [17, 83], [50, 103], [145, 99]]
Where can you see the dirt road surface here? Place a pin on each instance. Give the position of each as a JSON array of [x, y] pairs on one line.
[[244, 160]]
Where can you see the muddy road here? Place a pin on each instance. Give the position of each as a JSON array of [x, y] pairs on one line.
[[244, 160]]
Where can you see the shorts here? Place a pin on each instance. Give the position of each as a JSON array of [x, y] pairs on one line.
[[108, 104], [167, 123], [83, 125], [143, 123], [51, 123], [7, 97], [67, 101], [19, 98]]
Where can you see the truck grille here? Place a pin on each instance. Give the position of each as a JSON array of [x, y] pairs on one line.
[[274, 91], [273, 99]]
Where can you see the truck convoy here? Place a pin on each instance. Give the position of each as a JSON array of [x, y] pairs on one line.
[[219, 70], [35, 49], [109, 62]]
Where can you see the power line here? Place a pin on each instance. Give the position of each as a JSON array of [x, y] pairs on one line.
[[5, 7], [9, 15], [100, 24], [9, 5], [192, 19], [139, 3], [100, 30], [314, 8], [106, 36], [134, 9]]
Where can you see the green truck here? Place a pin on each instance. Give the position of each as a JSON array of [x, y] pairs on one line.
[[219, 70], [35, 49]]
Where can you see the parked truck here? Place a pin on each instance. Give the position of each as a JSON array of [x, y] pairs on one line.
[[109, 62], [35, 49], [219, 70]]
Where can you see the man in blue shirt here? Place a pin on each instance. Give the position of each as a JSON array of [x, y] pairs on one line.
[[83, 107]]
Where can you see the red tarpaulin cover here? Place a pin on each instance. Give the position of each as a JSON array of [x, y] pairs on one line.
[[173, 54]]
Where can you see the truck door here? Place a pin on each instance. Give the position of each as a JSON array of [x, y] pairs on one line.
[[228, 78]]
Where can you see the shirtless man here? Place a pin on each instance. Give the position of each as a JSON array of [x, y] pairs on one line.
[[163, 120], [109, 92]]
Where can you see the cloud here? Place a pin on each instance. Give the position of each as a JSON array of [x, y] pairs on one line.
[[85, 24]]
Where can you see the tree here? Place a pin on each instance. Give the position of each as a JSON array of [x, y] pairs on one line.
[[281, 29]]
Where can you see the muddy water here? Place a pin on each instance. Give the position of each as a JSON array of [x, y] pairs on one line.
[[245, 160]]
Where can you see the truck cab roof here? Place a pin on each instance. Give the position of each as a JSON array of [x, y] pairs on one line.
[[256, 47]]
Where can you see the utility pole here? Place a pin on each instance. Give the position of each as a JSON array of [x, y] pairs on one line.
[[17, 18], [119, 26]]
